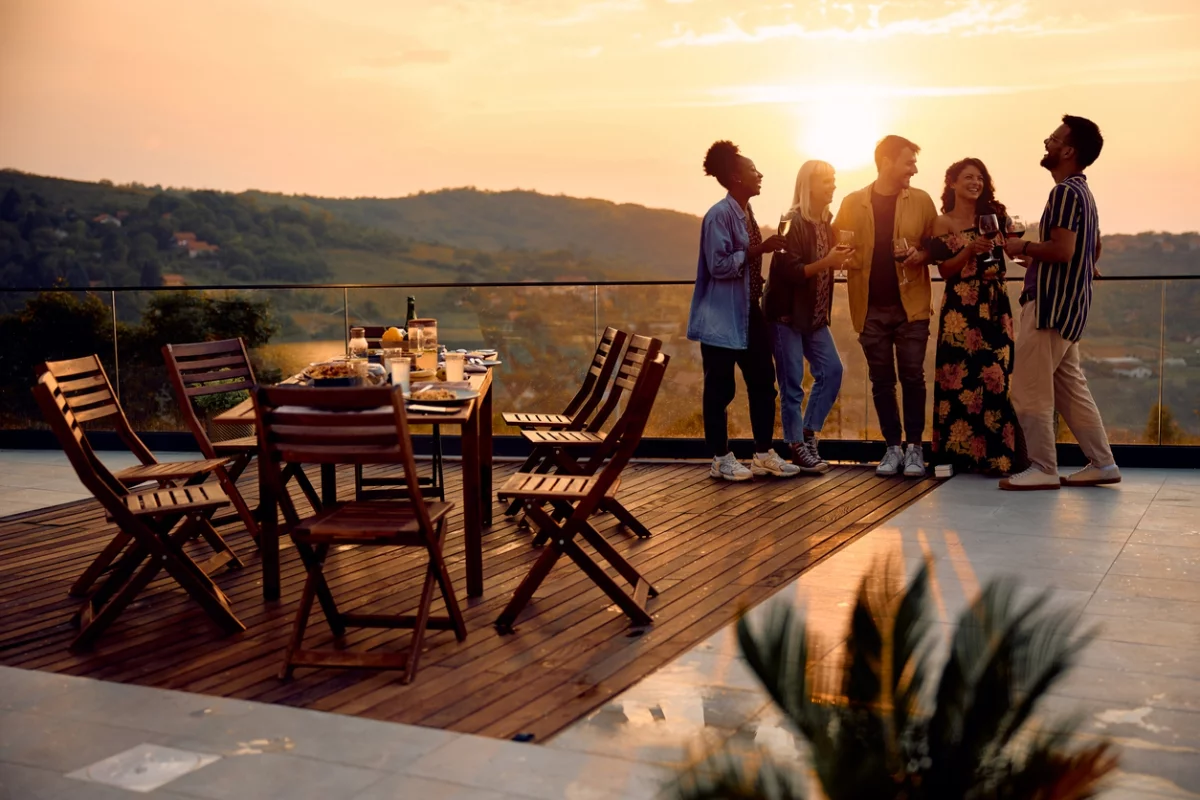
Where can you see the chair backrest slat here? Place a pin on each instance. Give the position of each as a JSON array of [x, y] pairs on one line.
[[201, 369], [618, 449], [298, 425], [86, 391], [639, 350], [596, 381], [64, 423]]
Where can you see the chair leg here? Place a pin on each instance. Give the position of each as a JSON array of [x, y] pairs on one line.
[[100, 564], [443, 578], [314, 562], [217, 543], [609, 554], [637, 615], [439, 473], [358, 483], [100, 617], [623, 514], [228, 481], [419, 623]]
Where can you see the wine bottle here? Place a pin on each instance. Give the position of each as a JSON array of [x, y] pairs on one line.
[[412, 311]]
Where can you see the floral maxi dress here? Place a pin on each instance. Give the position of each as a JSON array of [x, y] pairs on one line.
[[974, 426]]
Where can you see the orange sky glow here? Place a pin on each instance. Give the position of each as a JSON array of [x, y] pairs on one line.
[[616, 99]]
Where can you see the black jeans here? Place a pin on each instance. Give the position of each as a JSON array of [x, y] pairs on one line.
[[893, 344], [758, 371]]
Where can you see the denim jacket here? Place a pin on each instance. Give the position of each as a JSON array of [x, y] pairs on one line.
[[720, 314]]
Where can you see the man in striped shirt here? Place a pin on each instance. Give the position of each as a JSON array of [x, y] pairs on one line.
[[1047, 370]]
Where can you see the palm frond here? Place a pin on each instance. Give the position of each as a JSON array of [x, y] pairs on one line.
[[1051, 769], [736, 776], [910, 630]]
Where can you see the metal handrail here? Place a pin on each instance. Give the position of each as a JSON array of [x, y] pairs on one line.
[[481, 285]]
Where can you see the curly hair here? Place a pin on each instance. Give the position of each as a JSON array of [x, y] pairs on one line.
[[987, 202], [721, 160]]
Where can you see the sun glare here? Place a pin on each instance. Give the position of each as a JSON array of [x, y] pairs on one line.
[[845, 136]]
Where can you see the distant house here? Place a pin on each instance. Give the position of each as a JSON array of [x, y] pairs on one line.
[[186, 240], [1174, 362], [121, 215], [1137, 373], [173, 279], [106, 219]]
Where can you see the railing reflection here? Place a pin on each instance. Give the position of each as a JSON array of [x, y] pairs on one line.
[[1141, 350]]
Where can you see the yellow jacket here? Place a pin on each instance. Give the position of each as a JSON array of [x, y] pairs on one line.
[[915, 215]]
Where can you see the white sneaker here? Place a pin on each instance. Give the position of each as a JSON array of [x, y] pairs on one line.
[[769, 463], [1091, 475], [914, 462], [1031, 480], [729, 468], [890, 464]]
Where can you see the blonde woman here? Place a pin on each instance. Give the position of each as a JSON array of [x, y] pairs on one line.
[[797, 305]]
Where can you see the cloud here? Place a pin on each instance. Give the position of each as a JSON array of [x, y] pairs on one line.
[[589, 12], [867, 23], [403, 57]]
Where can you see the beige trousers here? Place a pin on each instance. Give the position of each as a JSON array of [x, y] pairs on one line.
[[1048, 375]]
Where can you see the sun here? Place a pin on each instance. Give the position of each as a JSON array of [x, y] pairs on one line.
[[843, 133]]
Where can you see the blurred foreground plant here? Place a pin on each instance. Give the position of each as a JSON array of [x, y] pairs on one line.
[[879, 728]]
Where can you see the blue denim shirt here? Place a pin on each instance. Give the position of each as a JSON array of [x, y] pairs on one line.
[[720, 314]]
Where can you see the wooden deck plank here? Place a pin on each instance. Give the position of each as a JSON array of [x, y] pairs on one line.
[[716, 548]]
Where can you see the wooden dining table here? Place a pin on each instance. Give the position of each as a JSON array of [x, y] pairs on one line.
[[474, 421]]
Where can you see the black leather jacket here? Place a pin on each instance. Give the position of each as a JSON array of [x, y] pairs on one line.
[[789, 295]]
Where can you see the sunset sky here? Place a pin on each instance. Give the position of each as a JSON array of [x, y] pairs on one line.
[[616, 99]]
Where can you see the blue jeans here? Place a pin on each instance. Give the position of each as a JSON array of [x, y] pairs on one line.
[[791, 348]]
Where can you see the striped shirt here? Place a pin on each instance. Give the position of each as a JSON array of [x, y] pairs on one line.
[[1064, 289]]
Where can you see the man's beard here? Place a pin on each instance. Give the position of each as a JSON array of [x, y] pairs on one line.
[[1050, 161]]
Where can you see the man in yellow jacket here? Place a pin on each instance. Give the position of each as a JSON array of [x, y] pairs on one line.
[[891, 295]]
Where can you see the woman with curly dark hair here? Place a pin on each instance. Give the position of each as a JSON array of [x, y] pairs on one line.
[[974, 426], [727, 320]]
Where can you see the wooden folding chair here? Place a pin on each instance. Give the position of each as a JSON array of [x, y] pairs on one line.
[[585, 401], [205, 369], [541, 458], [153, 523], [583, 495], [583, 452], [84, 389], [297, 425], [388, 487]]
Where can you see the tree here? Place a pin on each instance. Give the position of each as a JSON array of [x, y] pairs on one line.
[[1171, 431], [10, 206]]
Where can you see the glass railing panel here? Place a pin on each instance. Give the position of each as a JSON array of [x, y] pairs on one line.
[[48, 326], [1180, 420], [1119, 350]]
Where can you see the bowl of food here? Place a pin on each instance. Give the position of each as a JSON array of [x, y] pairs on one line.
[[332, 374], [432, 395]]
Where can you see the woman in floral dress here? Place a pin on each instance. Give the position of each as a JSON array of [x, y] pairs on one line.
[[974, 426]]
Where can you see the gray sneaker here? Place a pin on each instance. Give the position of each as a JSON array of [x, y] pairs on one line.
[[889, 465], [769, 463], [914, 462], [729, 468]]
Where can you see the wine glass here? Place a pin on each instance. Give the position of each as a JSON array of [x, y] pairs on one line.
[[900, 251], [845, 243], [1016, 226], [989, 226], [785, 225]]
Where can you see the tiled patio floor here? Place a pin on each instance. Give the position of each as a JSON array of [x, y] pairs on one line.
[[1127, 557]]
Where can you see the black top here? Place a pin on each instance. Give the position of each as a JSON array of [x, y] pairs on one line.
[[885, 284], [803, 302]]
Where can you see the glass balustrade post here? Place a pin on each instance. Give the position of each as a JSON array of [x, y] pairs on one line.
[[112, 296]]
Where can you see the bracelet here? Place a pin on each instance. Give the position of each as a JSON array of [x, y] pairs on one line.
[[1025, 247]]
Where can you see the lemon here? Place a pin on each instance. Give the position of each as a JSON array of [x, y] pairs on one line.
[[393, 335]]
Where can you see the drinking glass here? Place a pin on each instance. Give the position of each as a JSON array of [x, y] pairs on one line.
[[454, 366], [989, 226], [785, 225], [400, 367], [1016, 226], [845, 242], [900, 251]]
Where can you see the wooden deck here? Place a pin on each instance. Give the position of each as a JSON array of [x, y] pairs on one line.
[[717, 548]]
